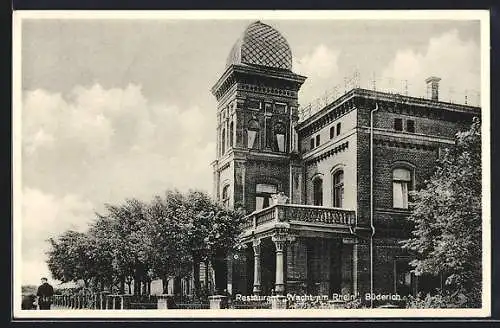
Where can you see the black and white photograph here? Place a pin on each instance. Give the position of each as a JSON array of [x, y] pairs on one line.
[[217, 164]]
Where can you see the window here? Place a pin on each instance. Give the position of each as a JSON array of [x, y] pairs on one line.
[[254, 104], [312, 143], [332, 132], [279, 137], [223, 142], [338, 189], [318, 192], [404, 278], [338, 128], [231, 134], [401, 183], [253, 135], [263, 194], [268, 107], [318, 140], [225, 196], [398, 124], [410, 126], [280, 108]]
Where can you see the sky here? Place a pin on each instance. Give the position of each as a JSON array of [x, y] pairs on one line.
[[114, 109]]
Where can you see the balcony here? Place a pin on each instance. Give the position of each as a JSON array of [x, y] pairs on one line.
[[298, 216]]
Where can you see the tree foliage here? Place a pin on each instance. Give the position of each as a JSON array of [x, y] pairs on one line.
[[137, 241], [447, 218], [70, 257]]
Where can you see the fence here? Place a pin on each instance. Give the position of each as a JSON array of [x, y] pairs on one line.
[[116, 302]]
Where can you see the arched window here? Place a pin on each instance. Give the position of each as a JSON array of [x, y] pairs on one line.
[[338, 189], [318, 191], [401, 184], [225, 196], [231, 134], [253, 135], [279, 137], [223, 142]]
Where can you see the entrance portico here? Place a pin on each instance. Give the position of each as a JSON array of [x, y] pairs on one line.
[[299, 249]]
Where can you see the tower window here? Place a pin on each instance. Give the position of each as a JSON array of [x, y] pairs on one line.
[[254, 104], [338, 128], [263, 194], [253, 132], [398, 124], [338, 189], [225, 196], [223, 142], [279, 136], [280, 108], [231, 134], [318, 192], [318, 139], [410, 126], [312, 143], [332, 132], [401, 183], [268, 107]]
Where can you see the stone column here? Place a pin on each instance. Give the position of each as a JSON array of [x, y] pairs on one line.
[[280, 238], [256, 266], [347, 266], [279, 285]]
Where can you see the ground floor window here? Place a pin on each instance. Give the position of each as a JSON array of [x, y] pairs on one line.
[[404, 279]]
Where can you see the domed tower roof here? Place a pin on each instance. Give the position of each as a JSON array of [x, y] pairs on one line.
[[261, 45]]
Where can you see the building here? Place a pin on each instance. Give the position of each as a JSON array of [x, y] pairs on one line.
[[305, 185]]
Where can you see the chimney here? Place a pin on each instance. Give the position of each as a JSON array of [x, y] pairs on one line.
[[433, 87]]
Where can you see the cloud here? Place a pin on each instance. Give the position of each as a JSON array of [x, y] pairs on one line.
[[322, 71], [454, 60], [94, 146], [44, 216], [95, 139]]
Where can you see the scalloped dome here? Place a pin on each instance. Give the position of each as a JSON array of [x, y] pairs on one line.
[[261, 45]]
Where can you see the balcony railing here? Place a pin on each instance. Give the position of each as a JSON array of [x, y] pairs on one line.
[[299, 213]]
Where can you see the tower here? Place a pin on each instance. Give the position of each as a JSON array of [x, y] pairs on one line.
[[257, 153]]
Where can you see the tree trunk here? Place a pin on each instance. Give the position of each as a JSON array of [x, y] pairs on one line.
[[137, 290], [165, 284], [177, 285], [122, 285], [196, 278], [206, 278], [220, 267]]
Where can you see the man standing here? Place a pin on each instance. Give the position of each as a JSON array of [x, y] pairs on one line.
[[45, 293]]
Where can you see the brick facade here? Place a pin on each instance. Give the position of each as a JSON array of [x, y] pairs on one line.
[[408, 133]]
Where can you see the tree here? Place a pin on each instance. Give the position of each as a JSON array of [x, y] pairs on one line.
[[69, 257], [130, 257], [447, 218], [136, 241], [211, 231], [164, 228], [103, 238]]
